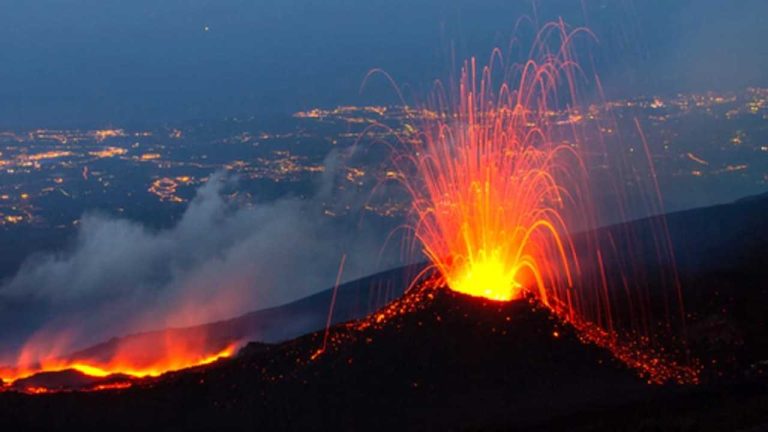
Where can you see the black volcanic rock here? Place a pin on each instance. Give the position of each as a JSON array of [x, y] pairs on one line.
[[721, 255], [448, 361], [453, 362], [69, 379], [456, 362], [438, 360]]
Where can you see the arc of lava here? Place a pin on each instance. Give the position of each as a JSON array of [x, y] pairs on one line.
[[499, 178]]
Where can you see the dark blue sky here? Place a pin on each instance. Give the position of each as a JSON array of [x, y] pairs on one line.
[[85, 62]]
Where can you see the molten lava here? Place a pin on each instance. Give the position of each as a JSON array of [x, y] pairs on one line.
[[489, 189], [487, 276], [137, 357], [500, 178]]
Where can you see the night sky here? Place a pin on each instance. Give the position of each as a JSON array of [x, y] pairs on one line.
[[85, 62]]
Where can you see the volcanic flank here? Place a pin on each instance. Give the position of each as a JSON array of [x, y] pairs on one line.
[[436, 359], [432, 359], [124, 360]]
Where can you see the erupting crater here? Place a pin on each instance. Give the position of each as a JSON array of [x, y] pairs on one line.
[[488, 277], [500, 176]]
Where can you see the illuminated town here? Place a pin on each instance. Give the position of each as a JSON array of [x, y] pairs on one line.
[[707, 148], [115, 170]]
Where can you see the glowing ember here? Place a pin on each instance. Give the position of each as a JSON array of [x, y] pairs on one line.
[[489, 189], [499, 179], [487, 276], [132, 360]]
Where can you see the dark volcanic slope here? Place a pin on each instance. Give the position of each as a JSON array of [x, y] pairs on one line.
[[722, 258], [721, 253], [450, 362], [354, 300], [463, 363], [454, 361]]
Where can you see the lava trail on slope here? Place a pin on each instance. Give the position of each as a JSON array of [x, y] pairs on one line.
[[434, 358]]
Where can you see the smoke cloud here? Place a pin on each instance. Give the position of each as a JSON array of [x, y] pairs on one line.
[[221, 259]]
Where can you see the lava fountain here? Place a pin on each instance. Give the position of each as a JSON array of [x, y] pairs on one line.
[[488, 210], [501, 176], [490, 186]]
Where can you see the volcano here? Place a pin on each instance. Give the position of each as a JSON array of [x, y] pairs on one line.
[[436, 359], [440, 360]]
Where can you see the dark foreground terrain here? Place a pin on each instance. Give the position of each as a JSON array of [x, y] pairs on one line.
[[436, 360], [447, 362]]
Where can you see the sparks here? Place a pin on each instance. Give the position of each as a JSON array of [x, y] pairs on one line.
[[499, 179], [489, 189]]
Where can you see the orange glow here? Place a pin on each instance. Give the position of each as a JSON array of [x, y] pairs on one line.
[[101, 135], [36, 390], [135, 358], [487, 276], [112, 386], [696, 159], [46, 155], [108, 152], [489, 188], [149, 156], [500, 178], [165, 188]]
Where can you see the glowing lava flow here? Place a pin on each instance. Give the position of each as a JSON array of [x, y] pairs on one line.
[[130, 360]]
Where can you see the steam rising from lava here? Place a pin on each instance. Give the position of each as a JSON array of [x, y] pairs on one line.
[[223, 258]]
